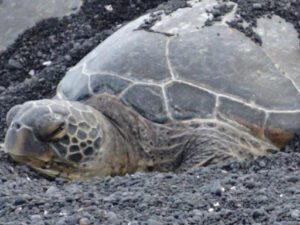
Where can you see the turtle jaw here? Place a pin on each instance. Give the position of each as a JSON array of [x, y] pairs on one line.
[[51, 167], [22, 145]]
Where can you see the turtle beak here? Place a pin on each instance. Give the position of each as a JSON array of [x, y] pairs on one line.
[[22, 143]]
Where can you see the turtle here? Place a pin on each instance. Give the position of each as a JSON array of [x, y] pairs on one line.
[[166, 93]]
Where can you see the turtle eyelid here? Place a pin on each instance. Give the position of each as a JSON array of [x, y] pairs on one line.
[[59, 128], [49, 127]]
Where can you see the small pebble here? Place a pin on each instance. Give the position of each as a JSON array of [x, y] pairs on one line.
[[14, 64], [2, 88], [258, 213], [249, 184], [217, 189], [217, 204], [31, 72], [84, 221], [111, 216], [153, 222], [257, 5], [53, 191], [68, 57], [47, 63], [262, 163], [133, 223], [293, 179], [109, 8], [36, 217], [19, 201], [295, 213]]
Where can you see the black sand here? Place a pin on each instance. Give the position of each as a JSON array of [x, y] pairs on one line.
[[263, 191]]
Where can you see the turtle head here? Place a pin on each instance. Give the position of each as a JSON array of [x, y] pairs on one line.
[[55, 137]]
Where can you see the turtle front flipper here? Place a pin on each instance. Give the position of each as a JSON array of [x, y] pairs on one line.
[[219, 143]]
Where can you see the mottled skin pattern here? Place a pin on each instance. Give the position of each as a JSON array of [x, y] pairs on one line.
[[76, 140]]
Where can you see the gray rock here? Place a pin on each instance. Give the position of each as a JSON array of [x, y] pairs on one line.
[[36, 218], [295, 213], [153, 222], [216, 188], [19, 200], [84, 221], [14, 64], [53, 191]]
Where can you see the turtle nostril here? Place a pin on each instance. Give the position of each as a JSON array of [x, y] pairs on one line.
[[16, 126]]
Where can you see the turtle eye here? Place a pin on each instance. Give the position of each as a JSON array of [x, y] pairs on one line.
[[58, 132], [12, 113], [50, 127]]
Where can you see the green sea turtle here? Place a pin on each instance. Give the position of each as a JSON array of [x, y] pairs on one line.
[[174, 96]]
